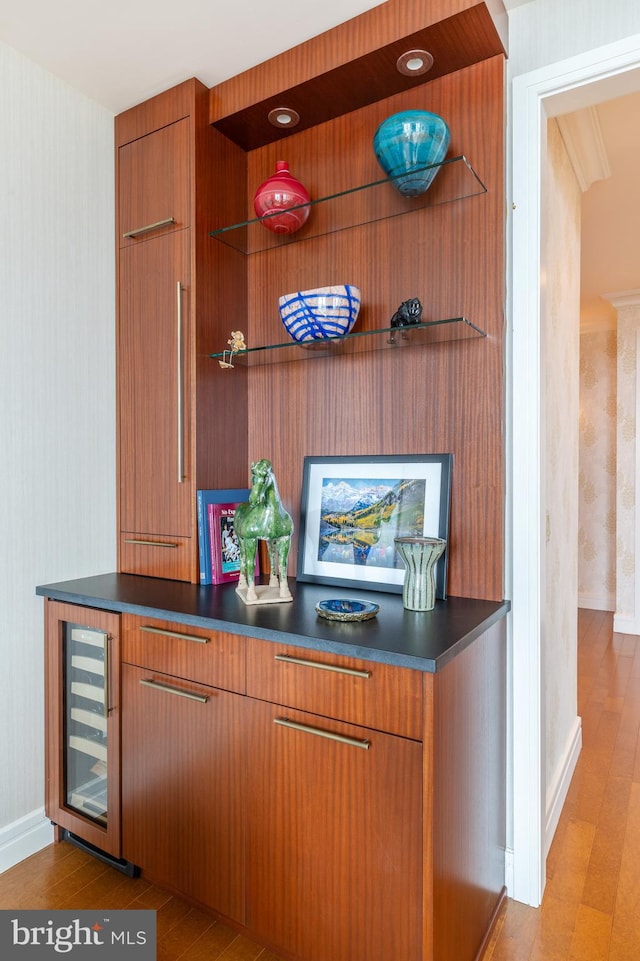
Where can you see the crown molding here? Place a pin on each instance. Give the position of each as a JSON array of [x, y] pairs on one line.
[[624, 298], [582, 136], [597, 325]]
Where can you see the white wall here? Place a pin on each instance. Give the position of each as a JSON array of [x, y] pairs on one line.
[[597, 477], [542, 32], [627, 611], [560, 350], [57, 426]]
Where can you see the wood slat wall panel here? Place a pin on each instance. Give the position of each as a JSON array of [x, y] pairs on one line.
[[446, 398]]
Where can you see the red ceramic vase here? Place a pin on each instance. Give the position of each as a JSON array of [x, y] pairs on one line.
[[275, 198]]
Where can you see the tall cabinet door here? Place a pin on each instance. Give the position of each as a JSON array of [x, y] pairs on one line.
[[182, 786], [334, 838], [82, 649], [174, 411], [154, 389]]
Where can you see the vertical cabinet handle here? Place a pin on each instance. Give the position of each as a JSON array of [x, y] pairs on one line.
[[179, 380], [107, 668]]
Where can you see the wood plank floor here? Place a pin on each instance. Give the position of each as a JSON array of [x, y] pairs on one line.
[[63, 877], [591, 907]]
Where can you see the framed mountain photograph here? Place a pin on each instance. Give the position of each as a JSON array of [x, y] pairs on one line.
[[353, 508]]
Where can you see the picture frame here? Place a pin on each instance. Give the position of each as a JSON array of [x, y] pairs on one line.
[[400, 495]]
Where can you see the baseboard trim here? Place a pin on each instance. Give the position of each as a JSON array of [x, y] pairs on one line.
[[559, 787], [508, 871], [22, 838], [625, 625], [597, 602], [488, 937]]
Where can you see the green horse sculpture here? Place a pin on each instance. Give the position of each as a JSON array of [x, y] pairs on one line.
[[263, 517]]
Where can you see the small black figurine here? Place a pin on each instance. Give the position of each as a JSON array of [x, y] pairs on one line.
[[409, 312]]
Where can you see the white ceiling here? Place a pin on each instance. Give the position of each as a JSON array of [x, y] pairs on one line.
[[611, 211], [119, 52]]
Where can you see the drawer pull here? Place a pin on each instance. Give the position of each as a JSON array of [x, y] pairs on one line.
[[148, 629], [307, 729], [191, 695], [289, 659], [149, 227], [137, 540]]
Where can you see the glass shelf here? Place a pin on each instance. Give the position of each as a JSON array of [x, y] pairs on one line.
[[455, 180], [387, 338]]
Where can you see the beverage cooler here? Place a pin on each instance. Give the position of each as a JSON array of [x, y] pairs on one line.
[[82, 689], [86, 716]]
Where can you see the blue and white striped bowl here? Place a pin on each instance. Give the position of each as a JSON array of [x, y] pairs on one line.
[[320, 313]]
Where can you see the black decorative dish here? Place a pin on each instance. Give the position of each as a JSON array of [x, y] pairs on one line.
[[341, 609]]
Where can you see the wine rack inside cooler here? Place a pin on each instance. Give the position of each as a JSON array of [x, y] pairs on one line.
[[86, 714]]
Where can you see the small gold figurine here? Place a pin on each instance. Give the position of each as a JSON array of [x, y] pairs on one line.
[[236, 343]]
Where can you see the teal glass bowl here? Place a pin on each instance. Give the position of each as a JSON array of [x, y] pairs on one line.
[[406, 146]]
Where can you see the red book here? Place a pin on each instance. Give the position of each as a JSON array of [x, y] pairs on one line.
[[225, 549]]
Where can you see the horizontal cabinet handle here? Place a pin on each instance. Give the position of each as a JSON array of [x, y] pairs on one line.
[[149, 629], [149, 227], [191, 695], [318, 731], [137, 540], [289, 659]]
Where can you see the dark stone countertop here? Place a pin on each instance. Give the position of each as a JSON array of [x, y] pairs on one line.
[[420, 641]]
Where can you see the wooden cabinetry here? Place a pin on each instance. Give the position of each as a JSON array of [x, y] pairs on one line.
[[183, 762], [375, 803], [155, 497], [82, 704], [446, 399], [153, 183], [332, 801], [171, 412], [333, 806], [334, 831], [353, 814], [380, 696]]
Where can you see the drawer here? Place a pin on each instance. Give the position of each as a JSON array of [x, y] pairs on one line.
[[374, 695], [156, 556], [214, 658]]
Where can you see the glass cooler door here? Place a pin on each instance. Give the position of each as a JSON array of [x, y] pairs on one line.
[[86, 714]]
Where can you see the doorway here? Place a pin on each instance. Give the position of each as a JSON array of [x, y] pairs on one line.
[[563, 87]]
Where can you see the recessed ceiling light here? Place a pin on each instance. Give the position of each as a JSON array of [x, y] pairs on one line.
[[412, 63], [284, 117]]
